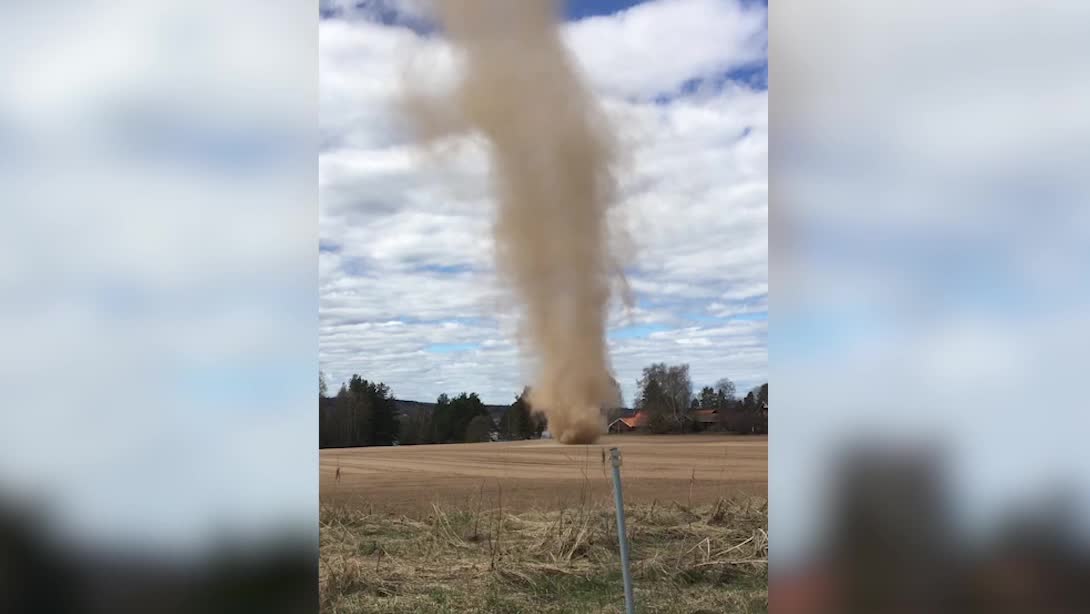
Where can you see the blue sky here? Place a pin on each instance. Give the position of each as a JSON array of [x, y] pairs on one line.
[[408, 293], [393, 11]]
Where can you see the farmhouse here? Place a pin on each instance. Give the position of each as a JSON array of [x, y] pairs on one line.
[[705, 417], [633, 421], [626, 424]]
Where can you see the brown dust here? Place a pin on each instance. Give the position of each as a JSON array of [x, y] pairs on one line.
[[552, 162]]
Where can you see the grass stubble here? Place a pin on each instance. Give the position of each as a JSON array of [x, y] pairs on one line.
[[478, 557]]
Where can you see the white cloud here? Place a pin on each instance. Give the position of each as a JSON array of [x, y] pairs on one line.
[[695, 204], [655, 47], [158, 266], [931, 159]]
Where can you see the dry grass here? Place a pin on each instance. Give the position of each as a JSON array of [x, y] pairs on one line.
[[480, 558]]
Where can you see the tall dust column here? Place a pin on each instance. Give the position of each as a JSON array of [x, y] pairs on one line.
[[552, 162]]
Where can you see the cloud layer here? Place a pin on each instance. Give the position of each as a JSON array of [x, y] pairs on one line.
[[158, 268], [408, 293]]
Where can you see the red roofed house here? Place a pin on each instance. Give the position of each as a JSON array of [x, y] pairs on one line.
[[705, 417], [626, 424]]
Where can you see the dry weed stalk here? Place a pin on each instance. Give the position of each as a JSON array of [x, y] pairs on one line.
[[692, 480]]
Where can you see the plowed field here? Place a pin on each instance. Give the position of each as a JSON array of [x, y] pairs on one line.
[[542, 474]]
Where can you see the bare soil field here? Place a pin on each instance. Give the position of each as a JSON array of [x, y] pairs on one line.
[[693, 470]]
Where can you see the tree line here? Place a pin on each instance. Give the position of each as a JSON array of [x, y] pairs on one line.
[[465, 419], [365, 413], [362, 413], [665, 395]]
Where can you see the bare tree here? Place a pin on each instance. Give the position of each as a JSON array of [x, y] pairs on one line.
[[666, 390], [619, 400], [724, 391]]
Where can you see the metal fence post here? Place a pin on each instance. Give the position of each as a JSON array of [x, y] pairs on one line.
[[622, 536]]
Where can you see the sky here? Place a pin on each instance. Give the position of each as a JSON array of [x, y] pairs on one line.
[[929, 248], [158, 182], [408, 292]]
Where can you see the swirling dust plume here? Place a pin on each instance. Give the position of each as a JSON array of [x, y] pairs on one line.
[[552, 161]]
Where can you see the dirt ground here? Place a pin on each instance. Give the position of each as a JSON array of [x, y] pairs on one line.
[[544, 475]]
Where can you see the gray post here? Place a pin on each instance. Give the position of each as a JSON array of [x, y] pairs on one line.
[[622, 536]]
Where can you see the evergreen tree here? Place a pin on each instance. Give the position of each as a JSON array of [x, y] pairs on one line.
[[517, 423], [441, 420], [463, 409], [384, 419], [359, 412], [708, 398], [479, 429]]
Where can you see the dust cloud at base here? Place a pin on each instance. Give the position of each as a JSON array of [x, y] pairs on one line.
[[552, 162]]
